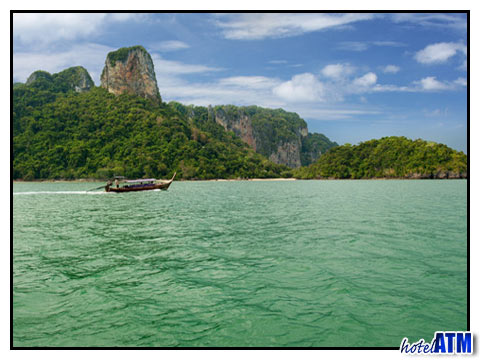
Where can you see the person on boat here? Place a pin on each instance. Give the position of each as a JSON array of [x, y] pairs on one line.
[[116, 183], [109, 183]]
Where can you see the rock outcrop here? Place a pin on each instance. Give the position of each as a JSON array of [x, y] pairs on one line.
[[238, 122], [288, 153], [75, 78], [38, 76], [130, 70]]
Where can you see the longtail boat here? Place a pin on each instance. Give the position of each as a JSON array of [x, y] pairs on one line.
[[139, 185]]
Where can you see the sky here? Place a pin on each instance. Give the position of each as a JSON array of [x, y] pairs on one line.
[[351, 76]]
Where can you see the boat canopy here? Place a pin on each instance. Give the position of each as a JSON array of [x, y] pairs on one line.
[[140, 180]]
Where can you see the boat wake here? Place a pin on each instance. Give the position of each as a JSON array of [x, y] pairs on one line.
[[60, 193]]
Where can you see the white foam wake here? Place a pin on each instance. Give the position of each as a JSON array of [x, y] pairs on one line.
[[60, 192]]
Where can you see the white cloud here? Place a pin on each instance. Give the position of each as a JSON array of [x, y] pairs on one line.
[[364, 45], [461, 81], [268, 25], [391, 69], [37, 29], [394, 88], [352, 45], [439, 20], [170, 67], [439, 52], [366, 80], [252, 82], [52, 27], [171, 45], [436, 112], [339, 113], [427, 84], [388, 43], [337, 71], [301, 88], [431, 83]]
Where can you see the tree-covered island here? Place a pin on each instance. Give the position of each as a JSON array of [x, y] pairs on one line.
[[64, 127]]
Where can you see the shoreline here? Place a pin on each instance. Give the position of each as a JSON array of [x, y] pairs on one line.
[[230, 180], [179, 180]]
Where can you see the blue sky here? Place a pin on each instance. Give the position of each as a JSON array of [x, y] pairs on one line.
[[353, 77]]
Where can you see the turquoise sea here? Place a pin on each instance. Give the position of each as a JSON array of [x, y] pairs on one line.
[[239, 264]]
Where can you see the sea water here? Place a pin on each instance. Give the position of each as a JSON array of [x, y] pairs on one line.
[[239, 264]]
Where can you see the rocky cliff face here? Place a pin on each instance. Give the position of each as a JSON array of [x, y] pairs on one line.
[[287, 154], [238, 122], [276, 134], [288, 150], [130, 70]]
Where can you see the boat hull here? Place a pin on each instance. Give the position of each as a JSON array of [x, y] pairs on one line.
[[162, 186], [142, 188]]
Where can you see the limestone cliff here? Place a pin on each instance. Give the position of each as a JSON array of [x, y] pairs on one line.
[[237, 121], [279, 135], [287, 153], [130, 70]]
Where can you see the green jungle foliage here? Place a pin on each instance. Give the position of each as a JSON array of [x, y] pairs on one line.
[[122, 54], [313, 145], [389, 157], [272, 128], [68, 135]]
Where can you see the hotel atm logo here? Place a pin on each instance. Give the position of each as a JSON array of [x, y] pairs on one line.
[[444, 342]]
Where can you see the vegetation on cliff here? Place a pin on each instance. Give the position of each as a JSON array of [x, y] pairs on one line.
[[313, 146], [273, 127], [122, 54], [68, 135], [389, 157]]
